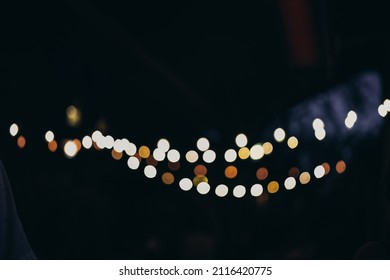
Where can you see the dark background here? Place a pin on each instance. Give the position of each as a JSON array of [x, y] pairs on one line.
[[181, 70]]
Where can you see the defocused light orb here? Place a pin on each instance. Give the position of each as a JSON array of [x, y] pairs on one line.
[[268, 148], [144, 152], [239, 191], [352, 116], [386, 103], [203, 144], [319, 171], [173, 155], [159, 154], [185, 184], [151, 161], [279, 134], [70, 149], [231, 172], [21, 141], [230, 155], [200, 169], [14, 129], [349, 123], [244, 153], [241, 140], [341, 166], [174, 166], [73, 115], [131, 149], [326, 167], [293, 172], [209, 156], [320, 134], [292, 142], [192, 156], [163, 144], [318, 124], [382, 110], [78, 144], [109, 142], [150, 171], [290, 183], [168, 178], [52, 146], [256, 152], [96, 135], [49, 136], [87, 142], [203, 188], [116, 155], [262, 173], [256, 190], [198, 179], [119, 145], [133, 162], [221, 190], [304, 178], [273, 187]]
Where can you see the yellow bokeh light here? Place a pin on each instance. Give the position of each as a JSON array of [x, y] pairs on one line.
[[304, 178], [198, 179], [21, 142], [341, 166], [244, 153], [144, 152], [73, 115], [168, 178], [231, 172], [268, 148], [273, 187], [292, 142]]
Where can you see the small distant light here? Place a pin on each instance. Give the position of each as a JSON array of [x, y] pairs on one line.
[[163, 144], [116, 155], [131, 149], [199, 179], [293, 172], [209, 156], [292, 142], [52, 146], [290, 183], [203, 188], [192, 156], [279, 134], [256, 152], [256, 190], [231, 172], [382, 110], [268, 148], [185, 184], [70, 149], [319, 171], [221, 190], [244, 153], [144, 152], [273, 187], [159, 154], [320, 134], [200, 170], [304, 178], [318, 124], [241, 140], [168, 178], [14, 129], [230, 155], [87, 142], [239, 191], [173, 155], [49, 136], [386, 103], [203, 144], [21, 141], [133, 162], [326, 167], [150, 171], [341, 166], [262, 173]]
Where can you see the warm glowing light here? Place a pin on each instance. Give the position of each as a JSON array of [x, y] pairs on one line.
[[159, 154], [320, 134], [341, 166], [318, 124], [382, 110], [78, 144], [131, 149], [319, 171], [150, 171], [73, 115], [199, 178], [70, 149], [230, 155], [241, 140], [256, 190], [52, 146], [14, 129], [256, 152], [192, 156], [144, 152], [151, 161], [279, 134], [290, 183], [239, 191], [87, 142], [49, 136], [244, 153], [133, 162], [221, 190], [203, 188], [262, 173], [173, 155], [273, 187], [168, 178], [293, 172], [326, 167], [174, 166], [209, 156], [292, 142], [231, 172], [203, 144], [21, 141], [200, 170], [185, 184], [115, 155], [268, 148], [163, 144], [304, 178]]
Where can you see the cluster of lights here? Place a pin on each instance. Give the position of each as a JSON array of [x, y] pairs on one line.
[[164, 152]]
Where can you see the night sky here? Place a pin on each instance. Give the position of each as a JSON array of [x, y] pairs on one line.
[[181, 70]]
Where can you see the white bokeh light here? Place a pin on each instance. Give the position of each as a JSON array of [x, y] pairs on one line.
[[256, 190], [279, 134], [319, 171], [256, 152], [97, 135], [14, 129], [173, 155], [185, 184], [230, 155], [386, 104], [209, 156], [241, 140], [49, 136], [133, 163], [109, 142], [87, 142], [150, 171], [320, 134], [131, 149], [203, 144], [382, 110], [318, 124], [163, 144], [290, 183], [239, 191], [221, 190], [119, 145], [203, 188], [159, 154], [70, 149], [192, 156]]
